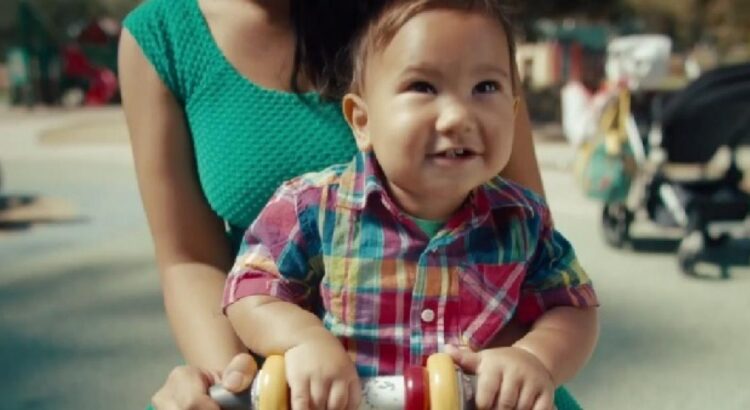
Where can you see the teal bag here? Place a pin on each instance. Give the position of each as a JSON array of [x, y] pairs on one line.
[[607, 177], [605, 167]]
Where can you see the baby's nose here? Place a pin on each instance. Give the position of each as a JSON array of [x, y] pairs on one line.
[[455, 118]]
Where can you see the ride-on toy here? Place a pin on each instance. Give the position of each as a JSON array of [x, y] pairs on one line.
[[438, 386]]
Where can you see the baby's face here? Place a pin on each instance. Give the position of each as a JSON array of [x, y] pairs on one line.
[[440, 104]]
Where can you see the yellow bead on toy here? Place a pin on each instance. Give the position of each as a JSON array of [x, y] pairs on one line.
[[273, 390], [443, 382]]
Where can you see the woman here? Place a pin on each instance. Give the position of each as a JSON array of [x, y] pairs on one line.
[[216, 125]]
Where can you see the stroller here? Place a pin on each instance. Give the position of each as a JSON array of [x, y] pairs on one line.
[[691, 155]]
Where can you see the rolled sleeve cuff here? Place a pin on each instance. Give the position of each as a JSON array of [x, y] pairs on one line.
[[533, 304], [257, 283]]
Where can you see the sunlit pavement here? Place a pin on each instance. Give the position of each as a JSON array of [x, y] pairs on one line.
[[81, 316]]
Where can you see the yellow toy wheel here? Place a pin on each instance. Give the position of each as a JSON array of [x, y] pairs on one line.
[[273, 393], [443, 383]]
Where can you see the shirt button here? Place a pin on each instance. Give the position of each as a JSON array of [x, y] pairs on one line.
[[428, 315]]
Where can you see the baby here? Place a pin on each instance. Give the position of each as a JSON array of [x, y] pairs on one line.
[[417, 245]]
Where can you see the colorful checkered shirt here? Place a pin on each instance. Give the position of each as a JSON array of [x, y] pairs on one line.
[[334, 242]]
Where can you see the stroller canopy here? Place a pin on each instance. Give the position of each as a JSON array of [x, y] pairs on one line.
[[711, 112]]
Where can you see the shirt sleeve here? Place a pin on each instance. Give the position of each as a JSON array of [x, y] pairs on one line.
[[274, 254], [151, 26], [555, 277]]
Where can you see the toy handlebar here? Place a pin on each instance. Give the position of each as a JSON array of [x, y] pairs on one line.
[[438, 386]]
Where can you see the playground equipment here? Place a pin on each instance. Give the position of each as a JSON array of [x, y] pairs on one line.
[[438, 386]]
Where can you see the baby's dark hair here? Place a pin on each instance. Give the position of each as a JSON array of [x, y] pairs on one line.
[[378, 33]]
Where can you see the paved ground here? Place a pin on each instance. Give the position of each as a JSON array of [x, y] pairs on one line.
[[81, 315]]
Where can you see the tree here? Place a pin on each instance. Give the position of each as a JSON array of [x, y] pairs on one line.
[[723, 22]]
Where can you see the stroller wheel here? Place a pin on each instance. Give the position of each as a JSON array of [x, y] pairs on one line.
[[616, 220], [689, 250], [686, 261]]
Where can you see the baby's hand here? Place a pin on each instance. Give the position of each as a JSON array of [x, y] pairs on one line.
[[321, 375], [507, 378]]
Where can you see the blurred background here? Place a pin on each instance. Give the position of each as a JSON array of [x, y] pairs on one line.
[[641, 117]]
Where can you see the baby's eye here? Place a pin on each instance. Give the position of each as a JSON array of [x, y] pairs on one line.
[[421, 87], [486, 87]]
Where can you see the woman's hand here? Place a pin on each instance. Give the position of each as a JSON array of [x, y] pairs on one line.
[[186, 388]]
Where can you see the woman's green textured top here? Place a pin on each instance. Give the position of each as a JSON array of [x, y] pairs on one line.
[[247, 139]]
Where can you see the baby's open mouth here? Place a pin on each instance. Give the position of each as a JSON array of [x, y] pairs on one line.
[[454, 153]]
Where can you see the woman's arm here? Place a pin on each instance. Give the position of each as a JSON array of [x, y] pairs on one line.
[[192, 250]]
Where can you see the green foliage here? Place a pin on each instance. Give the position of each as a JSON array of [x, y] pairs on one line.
[[55, 17], [602, 9]]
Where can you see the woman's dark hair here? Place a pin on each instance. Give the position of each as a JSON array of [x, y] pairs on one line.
[[324, 31]]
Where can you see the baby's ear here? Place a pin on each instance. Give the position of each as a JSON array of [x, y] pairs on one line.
[[355, 112]]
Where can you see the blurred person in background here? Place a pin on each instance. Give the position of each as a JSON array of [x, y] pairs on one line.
[[583, 98], [224, 100]]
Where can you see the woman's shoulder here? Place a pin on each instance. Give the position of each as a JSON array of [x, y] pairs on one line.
[[163, 23], [157, 13], [166, 31]]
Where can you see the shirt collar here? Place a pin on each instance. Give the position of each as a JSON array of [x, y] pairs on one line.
[[362, 180]]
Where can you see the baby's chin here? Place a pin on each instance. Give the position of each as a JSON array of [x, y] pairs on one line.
[[432, 187], [449, 191]]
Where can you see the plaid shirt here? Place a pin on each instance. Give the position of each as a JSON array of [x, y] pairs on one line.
[[334, 242]]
